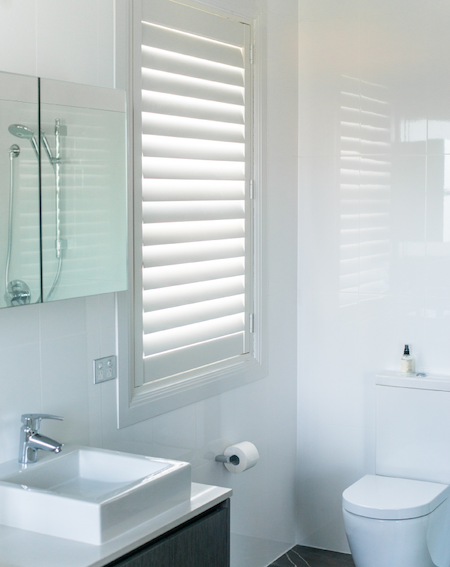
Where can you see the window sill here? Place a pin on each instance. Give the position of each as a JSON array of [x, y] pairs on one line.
[[139, 403]]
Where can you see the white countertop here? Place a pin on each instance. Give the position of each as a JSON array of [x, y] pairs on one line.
[[20, 548]]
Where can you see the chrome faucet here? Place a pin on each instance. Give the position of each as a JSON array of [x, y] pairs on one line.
[[31, 440]]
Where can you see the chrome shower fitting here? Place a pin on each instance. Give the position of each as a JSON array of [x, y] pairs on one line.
[[21, 131], [14, 151], [24, 132], [16, 291]]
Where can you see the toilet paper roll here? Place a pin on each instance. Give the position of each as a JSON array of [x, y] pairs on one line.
[[247, 454]]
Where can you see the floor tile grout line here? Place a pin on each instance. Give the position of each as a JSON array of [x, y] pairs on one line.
[[289, 559], [319, 557], [302, 558]]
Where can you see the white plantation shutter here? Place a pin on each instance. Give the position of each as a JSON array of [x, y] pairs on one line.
[[193, 293]]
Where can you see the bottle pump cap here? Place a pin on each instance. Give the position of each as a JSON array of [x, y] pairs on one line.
[[406, 351]]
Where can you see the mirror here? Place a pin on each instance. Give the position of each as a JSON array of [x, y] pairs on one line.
[[20, 263], [83, 190], [63, 177]]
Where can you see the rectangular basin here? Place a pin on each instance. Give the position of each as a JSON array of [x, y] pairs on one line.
[[91, 495]]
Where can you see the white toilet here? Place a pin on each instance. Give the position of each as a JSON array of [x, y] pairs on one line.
[[400, 517]]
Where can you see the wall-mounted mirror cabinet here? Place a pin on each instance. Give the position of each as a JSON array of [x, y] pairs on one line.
[[63, 222]]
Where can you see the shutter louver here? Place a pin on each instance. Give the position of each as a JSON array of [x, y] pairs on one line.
[[194, 201]]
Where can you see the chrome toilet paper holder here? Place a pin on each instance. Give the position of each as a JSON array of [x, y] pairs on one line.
[[239, 457], [233, 459]]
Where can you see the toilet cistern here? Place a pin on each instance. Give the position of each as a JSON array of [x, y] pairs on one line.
[[31, 440]]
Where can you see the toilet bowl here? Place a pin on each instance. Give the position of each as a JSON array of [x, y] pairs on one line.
[[396, 522]]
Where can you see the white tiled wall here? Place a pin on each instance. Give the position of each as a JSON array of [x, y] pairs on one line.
[[46, 351], [374, 259]]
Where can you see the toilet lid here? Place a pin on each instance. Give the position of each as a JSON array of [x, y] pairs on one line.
[[388, 498]]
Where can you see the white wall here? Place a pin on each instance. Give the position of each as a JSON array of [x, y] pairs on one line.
[[46, 351], [374, 259]]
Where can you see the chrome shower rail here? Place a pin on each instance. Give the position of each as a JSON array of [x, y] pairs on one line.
[[60, 244], [14, 151]]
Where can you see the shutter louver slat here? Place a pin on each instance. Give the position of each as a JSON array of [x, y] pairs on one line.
[[161, 82], [177, 63], [171, 254], [184, 294], [193, 209], [179, 127], [192, 45], [183, 315], [174, 105], [196, 190], [185, 211], [172, 168], [190, 273], [182, 148], [196, 333], [195, 231]]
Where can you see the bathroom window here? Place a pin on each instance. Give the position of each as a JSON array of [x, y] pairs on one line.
[[194, 204]]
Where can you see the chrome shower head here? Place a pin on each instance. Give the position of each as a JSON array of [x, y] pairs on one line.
[[21, 131]]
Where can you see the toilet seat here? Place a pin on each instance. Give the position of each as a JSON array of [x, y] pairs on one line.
[[389, 498]]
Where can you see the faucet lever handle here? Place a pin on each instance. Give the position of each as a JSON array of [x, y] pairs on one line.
[[33, 420]]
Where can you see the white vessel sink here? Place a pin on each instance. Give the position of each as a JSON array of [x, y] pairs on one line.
[[91, 495]]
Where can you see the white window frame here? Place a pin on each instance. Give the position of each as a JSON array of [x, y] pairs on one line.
[[138, 401]]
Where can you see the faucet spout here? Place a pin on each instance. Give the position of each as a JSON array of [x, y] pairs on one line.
[[38, 441], [31, 440]]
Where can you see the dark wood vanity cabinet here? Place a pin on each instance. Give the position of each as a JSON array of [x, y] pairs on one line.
[[203, 541]]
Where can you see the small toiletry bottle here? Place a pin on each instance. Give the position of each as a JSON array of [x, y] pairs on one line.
[[407, 361]]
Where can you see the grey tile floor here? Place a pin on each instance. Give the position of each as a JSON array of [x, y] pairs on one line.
[[300, 556]]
